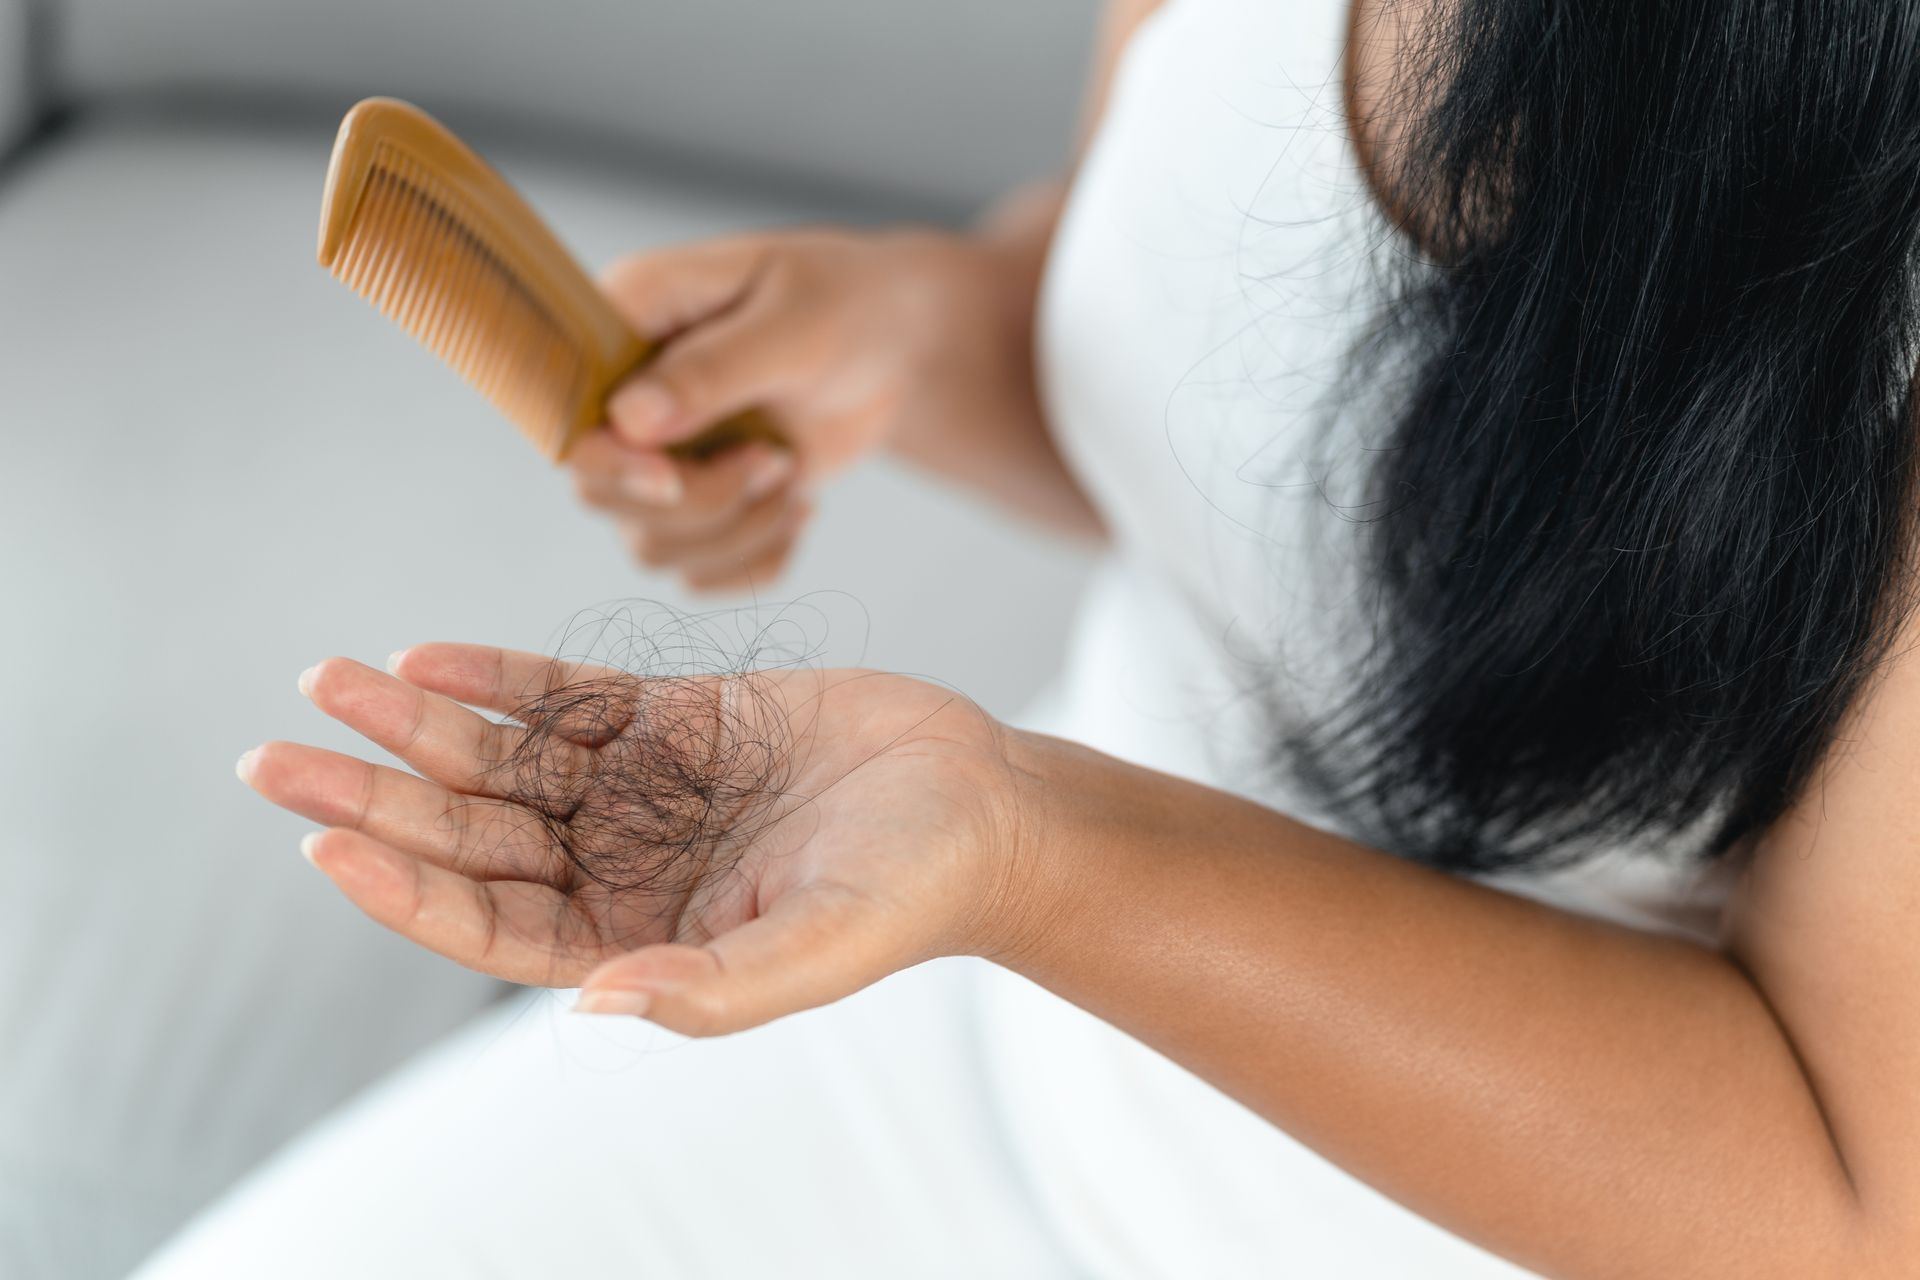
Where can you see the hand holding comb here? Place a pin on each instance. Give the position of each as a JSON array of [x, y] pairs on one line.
[[426, 231]]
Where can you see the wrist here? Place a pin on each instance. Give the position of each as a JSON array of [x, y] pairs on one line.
[[1052, 802]]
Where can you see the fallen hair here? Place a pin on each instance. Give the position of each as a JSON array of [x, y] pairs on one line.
[[684, 768], [660, 747]]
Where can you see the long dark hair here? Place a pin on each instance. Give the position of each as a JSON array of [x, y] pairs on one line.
[[1643, 532]]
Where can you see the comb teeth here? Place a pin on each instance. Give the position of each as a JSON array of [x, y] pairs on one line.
[[414, 251]]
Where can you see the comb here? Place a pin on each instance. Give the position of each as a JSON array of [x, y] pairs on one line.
[[421, 227]]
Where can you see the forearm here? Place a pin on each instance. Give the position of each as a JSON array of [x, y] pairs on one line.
[[1586, 1100], [996, 440], [1001, 445]]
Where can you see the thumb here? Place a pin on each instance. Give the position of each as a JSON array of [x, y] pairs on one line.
[[812, 948], [725, 366]]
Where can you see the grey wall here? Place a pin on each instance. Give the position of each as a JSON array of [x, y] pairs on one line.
[[942, 101]]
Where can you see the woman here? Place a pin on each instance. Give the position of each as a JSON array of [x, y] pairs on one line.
[[1500, 415]]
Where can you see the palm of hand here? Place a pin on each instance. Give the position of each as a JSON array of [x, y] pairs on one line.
[[735, 847]]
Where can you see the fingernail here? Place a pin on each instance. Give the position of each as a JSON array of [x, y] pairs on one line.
[[768, 472], [631, 1004], [393, 661], [308, 843], [641, 410], [244, 768], [306, 680], [655, 486]]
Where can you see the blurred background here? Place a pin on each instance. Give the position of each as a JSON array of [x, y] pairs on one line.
[[221, 466]]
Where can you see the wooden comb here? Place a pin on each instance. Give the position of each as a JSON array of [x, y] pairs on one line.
[[426, 231]]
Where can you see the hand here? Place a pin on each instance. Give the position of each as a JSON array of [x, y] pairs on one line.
[[840, 337], [710, 853]]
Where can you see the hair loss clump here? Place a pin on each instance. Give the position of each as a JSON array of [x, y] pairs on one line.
[[645, 785], [660, 744]]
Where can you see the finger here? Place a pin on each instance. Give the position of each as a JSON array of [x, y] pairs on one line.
[[502, 680], [613, 476], [485, 839], [525, 933], [713, 493], [814, 947], [661, 293], [735, 362], [437, 736], [720, 486], [725, 550], [751, 563], [585, 703], [662, 540]]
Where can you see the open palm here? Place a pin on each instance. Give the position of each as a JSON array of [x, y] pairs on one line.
[[713, 852]]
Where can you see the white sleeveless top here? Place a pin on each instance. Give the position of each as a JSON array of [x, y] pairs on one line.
[[1211, 273]]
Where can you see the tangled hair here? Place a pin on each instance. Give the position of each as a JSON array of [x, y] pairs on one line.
[[1643, 529], [684, 767], [660, 745]]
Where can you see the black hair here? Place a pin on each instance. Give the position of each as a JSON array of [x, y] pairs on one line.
[[1642, 529]]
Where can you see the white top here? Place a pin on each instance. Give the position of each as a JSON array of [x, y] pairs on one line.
[[1212, 272]]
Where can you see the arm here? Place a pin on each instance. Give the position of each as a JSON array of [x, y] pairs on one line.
[[1584, 1099], [1004, 449], [1590, 1101], [1010, 455]]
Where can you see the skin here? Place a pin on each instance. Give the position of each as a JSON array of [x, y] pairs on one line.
[[914, 342], [1587, 1100]]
